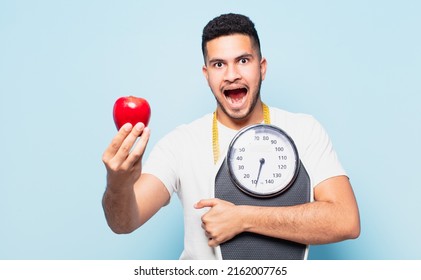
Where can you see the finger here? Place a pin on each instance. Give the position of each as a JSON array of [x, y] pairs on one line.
[[128, 143], [212, 242], [206, 203], [207, 233], [116, 142], [137, 153]]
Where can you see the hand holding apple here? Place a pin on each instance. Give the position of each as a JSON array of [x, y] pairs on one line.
[[131, 109], [123, 161]]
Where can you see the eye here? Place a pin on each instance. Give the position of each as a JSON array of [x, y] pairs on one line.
[[244, 60], [218, 64]]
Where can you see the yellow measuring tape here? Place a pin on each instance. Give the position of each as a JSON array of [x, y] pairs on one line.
[[215, 135]]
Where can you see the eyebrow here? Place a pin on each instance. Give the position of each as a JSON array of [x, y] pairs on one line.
[[245, 55]]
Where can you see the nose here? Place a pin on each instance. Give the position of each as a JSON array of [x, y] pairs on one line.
[[231, 73]]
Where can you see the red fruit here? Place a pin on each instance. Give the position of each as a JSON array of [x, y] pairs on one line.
[[131, 109]]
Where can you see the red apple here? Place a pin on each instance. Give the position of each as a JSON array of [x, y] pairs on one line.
[[131, 109]]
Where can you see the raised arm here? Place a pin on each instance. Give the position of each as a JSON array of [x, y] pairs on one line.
[[130, 198]]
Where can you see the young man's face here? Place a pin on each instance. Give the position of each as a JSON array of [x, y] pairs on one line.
[[234, 71]]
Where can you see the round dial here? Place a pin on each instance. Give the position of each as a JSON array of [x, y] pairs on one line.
[[262, 160]]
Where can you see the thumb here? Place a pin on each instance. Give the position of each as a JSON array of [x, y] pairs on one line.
[[211, 202]]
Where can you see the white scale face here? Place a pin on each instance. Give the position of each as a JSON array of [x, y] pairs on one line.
[[262, 160]]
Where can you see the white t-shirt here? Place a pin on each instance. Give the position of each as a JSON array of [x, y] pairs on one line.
[[183, 161]]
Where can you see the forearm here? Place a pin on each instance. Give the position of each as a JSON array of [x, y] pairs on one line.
[[121, 210], [310, 223], [123, 161]]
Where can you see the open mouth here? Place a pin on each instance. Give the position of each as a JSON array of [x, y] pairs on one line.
[[235, 96]]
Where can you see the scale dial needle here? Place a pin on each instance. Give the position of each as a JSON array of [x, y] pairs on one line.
[[262, 161]]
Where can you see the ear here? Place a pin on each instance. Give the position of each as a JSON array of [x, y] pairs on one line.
[[263, 66], [205, 72]]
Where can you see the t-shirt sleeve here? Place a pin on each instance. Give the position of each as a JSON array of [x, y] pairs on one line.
[[162, 162], [319, 156]]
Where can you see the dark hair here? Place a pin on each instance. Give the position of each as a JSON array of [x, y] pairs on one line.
[[229, 24]]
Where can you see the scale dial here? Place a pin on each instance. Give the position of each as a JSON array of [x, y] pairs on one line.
[[262, 160]]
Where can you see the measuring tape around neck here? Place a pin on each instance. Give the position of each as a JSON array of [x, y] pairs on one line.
[[215, 134]]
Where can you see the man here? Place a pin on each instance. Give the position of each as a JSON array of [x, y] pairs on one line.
[[187, 160]]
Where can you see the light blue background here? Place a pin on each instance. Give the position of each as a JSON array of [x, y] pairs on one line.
[[354, 65]]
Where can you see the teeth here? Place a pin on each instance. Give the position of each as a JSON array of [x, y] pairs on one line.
[[235, 100]]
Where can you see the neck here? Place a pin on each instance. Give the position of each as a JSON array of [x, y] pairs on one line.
[[254, 117]]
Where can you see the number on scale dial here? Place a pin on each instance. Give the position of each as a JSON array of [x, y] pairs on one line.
[[262, 160]]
